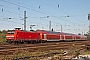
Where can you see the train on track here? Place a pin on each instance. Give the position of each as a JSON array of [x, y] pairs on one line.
[[17, 35]]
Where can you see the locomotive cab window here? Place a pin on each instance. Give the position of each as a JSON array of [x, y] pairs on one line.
[[17, 33], [10, 32]]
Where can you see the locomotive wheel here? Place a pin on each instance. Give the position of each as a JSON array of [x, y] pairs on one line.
[[10, 42], [15, 42], [32, 42], [28, 42], [22, 42]]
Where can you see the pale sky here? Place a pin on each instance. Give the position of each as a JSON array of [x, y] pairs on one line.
[[38, 10]]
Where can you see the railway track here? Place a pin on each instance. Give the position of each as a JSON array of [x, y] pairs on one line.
[[6, 49]]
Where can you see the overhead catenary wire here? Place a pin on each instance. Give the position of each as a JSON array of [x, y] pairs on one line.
[[7, 19], [21, 14], [51, 5], [22, 17], [60, 9], [38, 11]]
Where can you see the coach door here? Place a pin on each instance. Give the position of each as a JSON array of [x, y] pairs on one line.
[[60, 37], [45, 37]]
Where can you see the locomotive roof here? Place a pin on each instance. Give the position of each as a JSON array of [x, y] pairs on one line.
[[10, 31]]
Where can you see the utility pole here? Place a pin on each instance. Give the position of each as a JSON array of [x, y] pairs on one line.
[[61, 28], [25, 20], [89, 22], [50, 26], [88, 37]]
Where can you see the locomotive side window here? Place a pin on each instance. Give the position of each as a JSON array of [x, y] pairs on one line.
[[17, 33]]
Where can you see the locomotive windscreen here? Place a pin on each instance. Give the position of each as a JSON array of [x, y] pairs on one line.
[[10, 32]]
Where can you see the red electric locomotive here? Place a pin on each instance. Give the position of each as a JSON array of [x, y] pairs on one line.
[[22, 36]]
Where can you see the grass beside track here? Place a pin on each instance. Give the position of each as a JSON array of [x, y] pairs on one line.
[[40, 54], [86, 52]]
